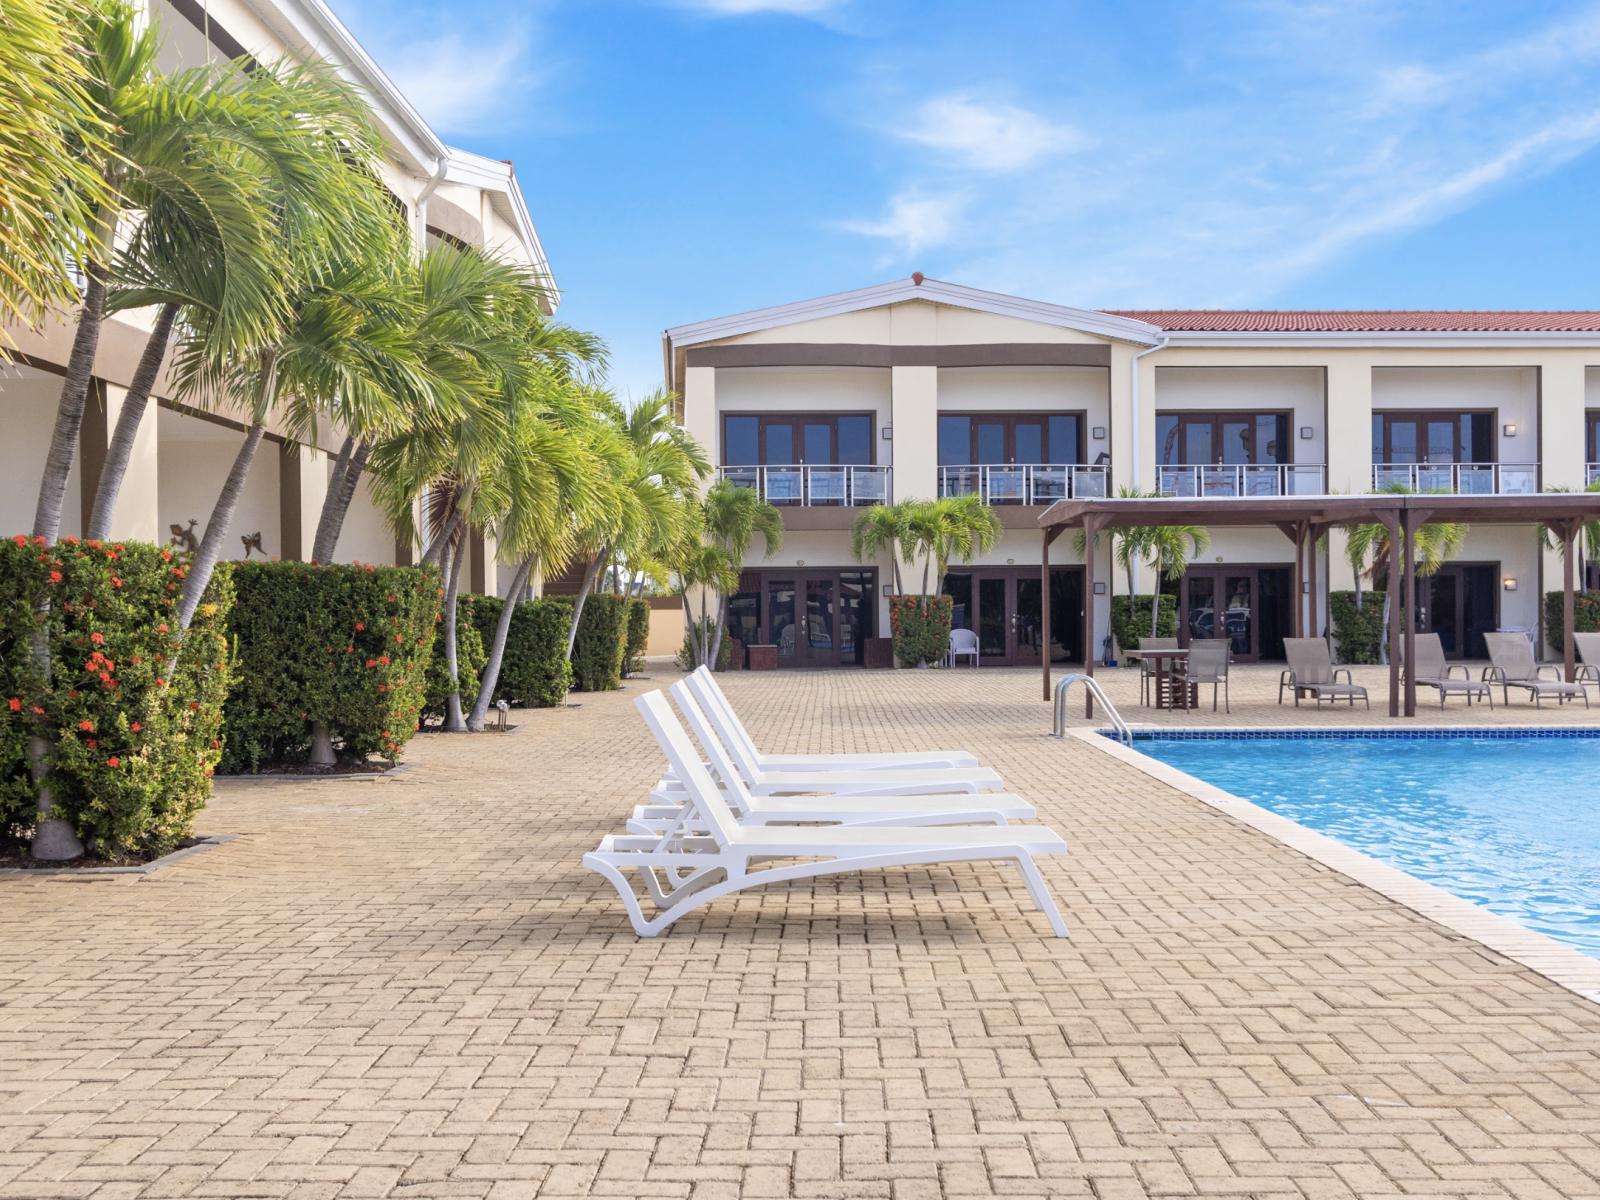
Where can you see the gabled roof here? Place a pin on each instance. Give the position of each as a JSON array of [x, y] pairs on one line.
[[1365, 320], [918, 287]]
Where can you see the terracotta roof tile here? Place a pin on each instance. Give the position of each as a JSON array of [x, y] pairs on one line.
[[1212, 320]]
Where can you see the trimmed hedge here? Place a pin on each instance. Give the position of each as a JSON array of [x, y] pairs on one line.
[[1130, 619], [1586, 614], [638, 636], [134, 735], [348, 646], [1359, 632], [472, 652], [534, 670], [602, 641], [920, 626], [685, 656]]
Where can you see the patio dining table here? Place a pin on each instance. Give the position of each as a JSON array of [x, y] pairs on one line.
[[1171, 668]]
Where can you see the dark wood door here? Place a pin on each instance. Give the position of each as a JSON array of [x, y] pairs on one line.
[[1247, 605], [818, 635]]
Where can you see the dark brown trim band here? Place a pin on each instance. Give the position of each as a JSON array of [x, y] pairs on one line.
[[198, 16], [862, 354], [289, 540]]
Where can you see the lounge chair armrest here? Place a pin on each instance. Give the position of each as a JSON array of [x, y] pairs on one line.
[[1492, 674], [1466, 672], [1543, 667], [1285, 678], [1345, 671]]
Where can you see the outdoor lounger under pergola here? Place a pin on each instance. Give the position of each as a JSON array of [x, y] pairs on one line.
[[1304, 519]]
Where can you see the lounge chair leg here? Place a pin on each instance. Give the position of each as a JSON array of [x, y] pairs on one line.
[[1041, 894]]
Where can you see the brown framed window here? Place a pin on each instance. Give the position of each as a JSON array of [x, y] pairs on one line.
[[992, 439], [1436, 438], [1242, 438], [793, 439], [1591, 441]]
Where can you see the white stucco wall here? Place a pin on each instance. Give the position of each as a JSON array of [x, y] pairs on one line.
[[366, 536], [28, 399], [1512, 393], [195, 456], [1298, 391]]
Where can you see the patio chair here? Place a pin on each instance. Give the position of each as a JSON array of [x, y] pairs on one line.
[[1147, 668], [1208, 663], [1432, 671], [988, 808], [1511, 665], [714, 702], [1589, 655], [683, 870], [963, 644], [1311, 673]]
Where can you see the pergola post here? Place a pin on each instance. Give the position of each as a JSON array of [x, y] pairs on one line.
[[1411, 522], [1091, 531], [1044, 591], [1391, 597], [1311, 598], [1295, 532], [1569, 615]]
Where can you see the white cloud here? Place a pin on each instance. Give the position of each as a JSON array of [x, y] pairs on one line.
[[913, 221], [988, 136], [461, 85], [740, 8]]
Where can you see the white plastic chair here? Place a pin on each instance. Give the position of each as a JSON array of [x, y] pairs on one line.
[[963, 644], [682, 869], [987, 808], [714, 701]]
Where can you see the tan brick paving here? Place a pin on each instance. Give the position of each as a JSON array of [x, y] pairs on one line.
[[409, 988]]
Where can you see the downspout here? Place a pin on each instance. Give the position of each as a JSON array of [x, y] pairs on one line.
[[1137, 439], [428, 189]]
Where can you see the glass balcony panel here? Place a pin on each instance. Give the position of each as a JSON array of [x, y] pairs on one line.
[[745, 477], [1476, 479], [1304, 480], [1261, 480], [869, 485], [1519, 480], [1219, 481], [785, 485], [958, 481], [1049, 484], [827, 484], [1089, 483], [1006, 485]]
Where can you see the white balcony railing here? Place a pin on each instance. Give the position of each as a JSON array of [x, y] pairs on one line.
[[812, 486], [1241, 479], [1023, 483], [1591, 475], [1459, 479]]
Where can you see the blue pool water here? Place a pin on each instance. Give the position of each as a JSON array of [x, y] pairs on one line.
[[1511, 823]]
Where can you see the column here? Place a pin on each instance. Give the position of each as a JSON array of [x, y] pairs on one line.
[[1130, 429], [700, 409], [1347, 434], [302, 489], [137, 516], [483, 569]]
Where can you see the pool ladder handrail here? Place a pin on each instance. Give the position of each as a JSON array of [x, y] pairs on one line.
[[1124, 734]]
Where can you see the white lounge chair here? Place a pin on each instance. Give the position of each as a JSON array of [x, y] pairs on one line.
[[682, 870], [1511, 665], [1432, 671], [717, 706], [987, 808]]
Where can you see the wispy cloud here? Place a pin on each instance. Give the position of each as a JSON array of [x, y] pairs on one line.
[[988, 135], [913, 221], [464, 85], [740, 8]]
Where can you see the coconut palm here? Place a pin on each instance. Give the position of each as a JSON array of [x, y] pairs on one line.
[[1170, 549], [731, 517], [51, 133], [879, 528], [932, 531], [1128, 546], [1369, 550]]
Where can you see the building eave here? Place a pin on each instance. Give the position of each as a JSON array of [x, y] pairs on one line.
[[1428, 339], [499, 179]]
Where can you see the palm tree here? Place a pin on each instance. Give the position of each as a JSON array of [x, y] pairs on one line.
[[731, 518], [1369, 551], [876, 529], [934, 531], [51, 132], [1128, 546], [1170, 549]]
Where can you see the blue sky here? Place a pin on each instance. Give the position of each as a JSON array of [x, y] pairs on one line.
[[690, 158]]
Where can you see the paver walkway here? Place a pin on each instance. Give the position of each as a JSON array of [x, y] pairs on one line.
[[409, 988]]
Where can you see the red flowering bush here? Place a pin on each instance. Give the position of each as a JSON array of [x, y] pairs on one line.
[[346, 646], [921, 628], [130, 712]]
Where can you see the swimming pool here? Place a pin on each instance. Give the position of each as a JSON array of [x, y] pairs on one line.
[[1510, 821]]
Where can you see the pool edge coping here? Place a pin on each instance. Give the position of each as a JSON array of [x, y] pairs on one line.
[[1555, 961]]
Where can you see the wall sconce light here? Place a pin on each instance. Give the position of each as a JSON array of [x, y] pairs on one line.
[[799, 562], [1305, 587], [1307, 433], [1011, 562], [1098, 433], [1509, 583], [888, 589], [1510, 429], [1099, 589], [888, 433]]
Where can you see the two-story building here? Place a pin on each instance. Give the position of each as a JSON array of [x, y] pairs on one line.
[[921, 388], [183, 454]]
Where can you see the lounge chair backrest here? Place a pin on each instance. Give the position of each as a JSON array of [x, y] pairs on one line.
[[687, 767], [715, 702], [713, 744], [1430, 662], [1588, 647], [1512, 654], [963, 641], [1309, 660], [744, 759], [1158, 643], [1208, 660]]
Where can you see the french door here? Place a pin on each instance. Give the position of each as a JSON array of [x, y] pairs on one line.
[[1440, 440], [1005, 608], [1250, 606], [816, 618], [1460, 602]]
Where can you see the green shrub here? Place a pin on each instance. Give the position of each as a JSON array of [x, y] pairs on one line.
[[134, 735], [1358, 632], [602, 641], [920, 626], [347, 646], [534, 670], [1130, 619], [685, 656], [638, 636], [1586, 615], [472, 651]]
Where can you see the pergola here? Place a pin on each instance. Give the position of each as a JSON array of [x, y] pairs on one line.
[[1304, 519]]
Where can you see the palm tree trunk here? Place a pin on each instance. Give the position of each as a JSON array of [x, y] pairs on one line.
[[688, 628], [434, 555], [336, 504], [1155, 602], [129, 418], [341, 464], [217, 527], [590, 574], [454, 722], [497, 648], [722, 624], [69, 412]]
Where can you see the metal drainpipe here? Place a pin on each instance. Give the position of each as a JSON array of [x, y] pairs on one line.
[[428, 189], [1133, 405]]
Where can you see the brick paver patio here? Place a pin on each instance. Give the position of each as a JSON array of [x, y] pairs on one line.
[[408, 987]]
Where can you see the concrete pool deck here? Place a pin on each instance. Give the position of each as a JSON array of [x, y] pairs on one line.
[[408, 987]]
